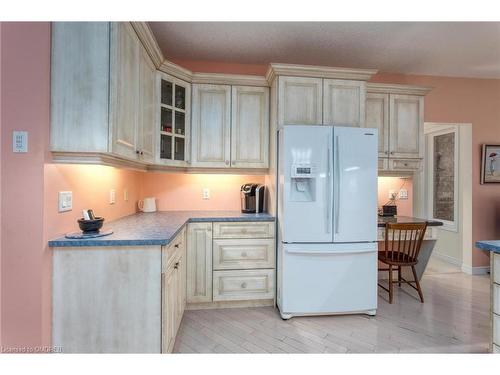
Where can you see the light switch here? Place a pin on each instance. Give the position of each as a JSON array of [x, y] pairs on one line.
[[19, 141], [112, 196], [393, 194], [65, 201], [206, 193]]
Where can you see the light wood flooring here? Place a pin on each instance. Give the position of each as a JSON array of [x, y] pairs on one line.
[[453, 319]]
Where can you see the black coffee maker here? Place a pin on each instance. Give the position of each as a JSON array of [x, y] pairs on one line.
[[252, 198]]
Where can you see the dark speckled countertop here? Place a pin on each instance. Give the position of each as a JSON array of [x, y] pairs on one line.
[[405, 220], [157, 228]]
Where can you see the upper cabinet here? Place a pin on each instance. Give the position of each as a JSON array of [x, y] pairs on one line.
[[300, 101], [174, 114], [344, 102], [230, 126], [406, 130], [250, 127], [377, 116], [211, 126], [397, 111], [102, 93]]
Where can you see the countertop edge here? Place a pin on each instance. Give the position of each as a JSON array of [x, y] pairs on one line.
[[489, 246]]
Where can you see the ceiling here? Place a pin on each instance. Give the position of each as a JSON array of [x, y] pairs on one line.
[[457, 49]]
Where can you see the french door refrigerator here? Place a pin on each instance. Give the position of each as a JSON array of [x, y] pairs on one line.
[[327, 220]]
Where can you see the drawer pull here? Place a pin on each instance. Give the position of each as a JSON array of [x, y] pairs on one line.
[[244, 230], [176, 245], [243, 285], [244, 254], [176, 265]]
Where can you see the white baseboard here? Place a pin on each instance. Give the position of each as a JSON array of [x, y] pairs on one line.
[[483, 270], [447, 258]]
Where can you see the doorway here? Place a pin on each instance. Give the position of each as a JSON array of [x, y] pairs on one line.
[[448, 194]]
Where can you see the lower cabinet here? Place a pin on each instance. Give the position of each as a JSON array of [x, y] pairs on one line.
[[173, 280], [230, 262]]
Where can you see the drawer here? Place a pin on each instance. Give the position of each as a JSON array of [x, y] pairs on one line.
[[496, 268], [496, 349], [173, 250], [496, 298], [237, 254], [405, 164], [496, 329], [255, 229], [243, 285], [383, 164]]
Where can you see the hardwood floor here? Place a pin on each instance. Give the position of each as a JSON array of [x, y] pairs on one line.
[[454, 319]]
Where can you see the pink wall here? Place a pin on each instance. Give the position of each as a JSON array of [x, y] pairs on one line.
[[90, 185], [386, 184], [25, 72], [178, 191]]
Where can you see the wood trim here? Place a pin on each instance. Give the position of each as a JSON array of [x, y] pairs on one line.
[[229, 79], [176, 70], [149, 42], [277, 69], [392, 88], [172, 169], [96, 158]]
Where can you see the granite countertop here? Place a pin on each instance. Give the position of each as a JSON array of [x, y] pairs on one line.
[[382, 220], [493, 246], [157, 228]]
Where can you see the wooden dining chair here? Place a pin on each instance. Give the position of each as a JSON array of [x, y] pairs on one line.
[[402, 246]]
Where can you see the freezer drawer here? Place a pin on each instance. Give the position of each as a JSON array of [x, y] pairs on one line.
[[329, 278]]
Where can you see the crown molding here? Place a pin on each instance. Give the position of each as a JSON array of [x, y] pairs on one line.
[[393, 88], [98, 158], [278, 69], [229, 79], [149, 42], [176, 71]]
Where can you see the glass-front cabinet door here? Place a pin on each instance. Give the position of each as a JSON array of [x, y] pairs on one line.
[[173, 125]]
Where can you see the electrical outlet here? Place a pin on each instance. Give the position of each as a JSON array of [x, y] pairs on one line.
[[403, 194], [206, 193], [125, 195], [112, 196], [65, 201], [19, 141]]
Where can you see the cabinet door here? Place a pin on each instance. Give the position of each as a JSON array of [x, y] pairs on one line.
[[174, 110], [125, 90], [169, 309], [179, 292], [300, 101], [211, 126], [377, 116], [344, 102], [146, 141], [406, 129], [250, 127], [199, 262]]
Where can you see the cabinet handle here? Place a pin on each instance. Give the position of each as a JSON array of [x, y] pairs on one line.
[[227, 162], [137, 152], [176, 265], [142, 153], [176, 245], [244, 285], [392, 152], [244, 254], [387, 152]]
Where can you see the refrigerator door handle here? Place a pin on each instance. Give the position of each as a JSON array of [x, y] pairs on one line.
[[338, 185], [328, 187]]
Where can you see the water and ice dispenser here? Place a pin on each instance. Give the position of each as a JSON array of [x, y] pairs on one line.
[[303, 182]]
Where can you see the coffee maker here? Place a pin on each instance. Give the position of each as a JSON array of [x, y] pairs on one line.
[[252, 198]]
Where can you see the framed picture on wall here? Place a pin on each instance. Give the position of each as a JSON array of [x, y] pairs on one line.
[[490, 164]]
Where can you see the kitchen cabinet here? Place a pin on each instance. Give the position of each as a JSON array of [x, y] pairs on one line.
[[230, 126], [406, 126], [344, 102], [377, 116], [173, 290], [397, 111], [101, 93], [199, 262], [250, 127], [300, 101], [174, 121], [211, 126]]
